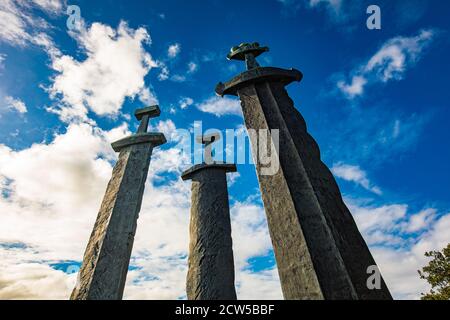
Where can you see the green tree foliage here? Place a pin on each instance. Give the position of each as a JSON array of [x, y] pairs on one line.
[[437, 273]]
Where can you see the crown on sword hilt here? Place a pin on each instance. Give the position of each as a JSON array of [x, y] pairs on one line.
[[247, 52]]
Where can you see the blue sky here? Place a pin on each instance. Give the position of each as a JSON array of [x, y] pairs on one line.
[[376, 101]]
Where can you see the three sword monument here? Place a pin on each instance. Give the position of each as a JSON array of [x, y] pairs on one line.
[[319, 251]]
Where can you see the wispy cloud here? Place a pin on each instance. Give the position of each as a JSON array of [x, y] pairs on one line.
[[15, 104], [164, 71], [183, 76], [14, 23], [356, 175], [192, 67], [220, 106], [185, 102], [18, 24], [51, 6], [177, 75], [178, 78], [389, 63], [173, 50]]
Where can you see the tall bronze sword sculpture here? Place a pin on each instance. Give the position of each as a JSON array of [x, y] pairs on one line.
[[319, 251], [105, 264]]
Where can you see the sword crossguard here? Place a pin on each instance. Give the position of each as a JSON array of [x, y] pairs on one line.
[[144, 115]]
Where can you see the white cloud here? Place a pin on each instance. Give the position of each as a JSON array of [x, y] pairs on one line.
[[390, 62], [232, 177], [250, 232], [46, 42], [185, 102], [50, 196], [385, 219], [162, 237], [18, 24], [391, 224], [398, 246], [147, 96], [15, 104], [178, 78], [192, 67], [113, 70], [399, 266], [220, 106], [264, 285], [356, 175], [51, 185], [398, 241], [164, 73], [173, 50], [420, 221], [397, 54], [355, 88], [51, 6], [173, 135], [30, 280], [49, 199], [13, 26]]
